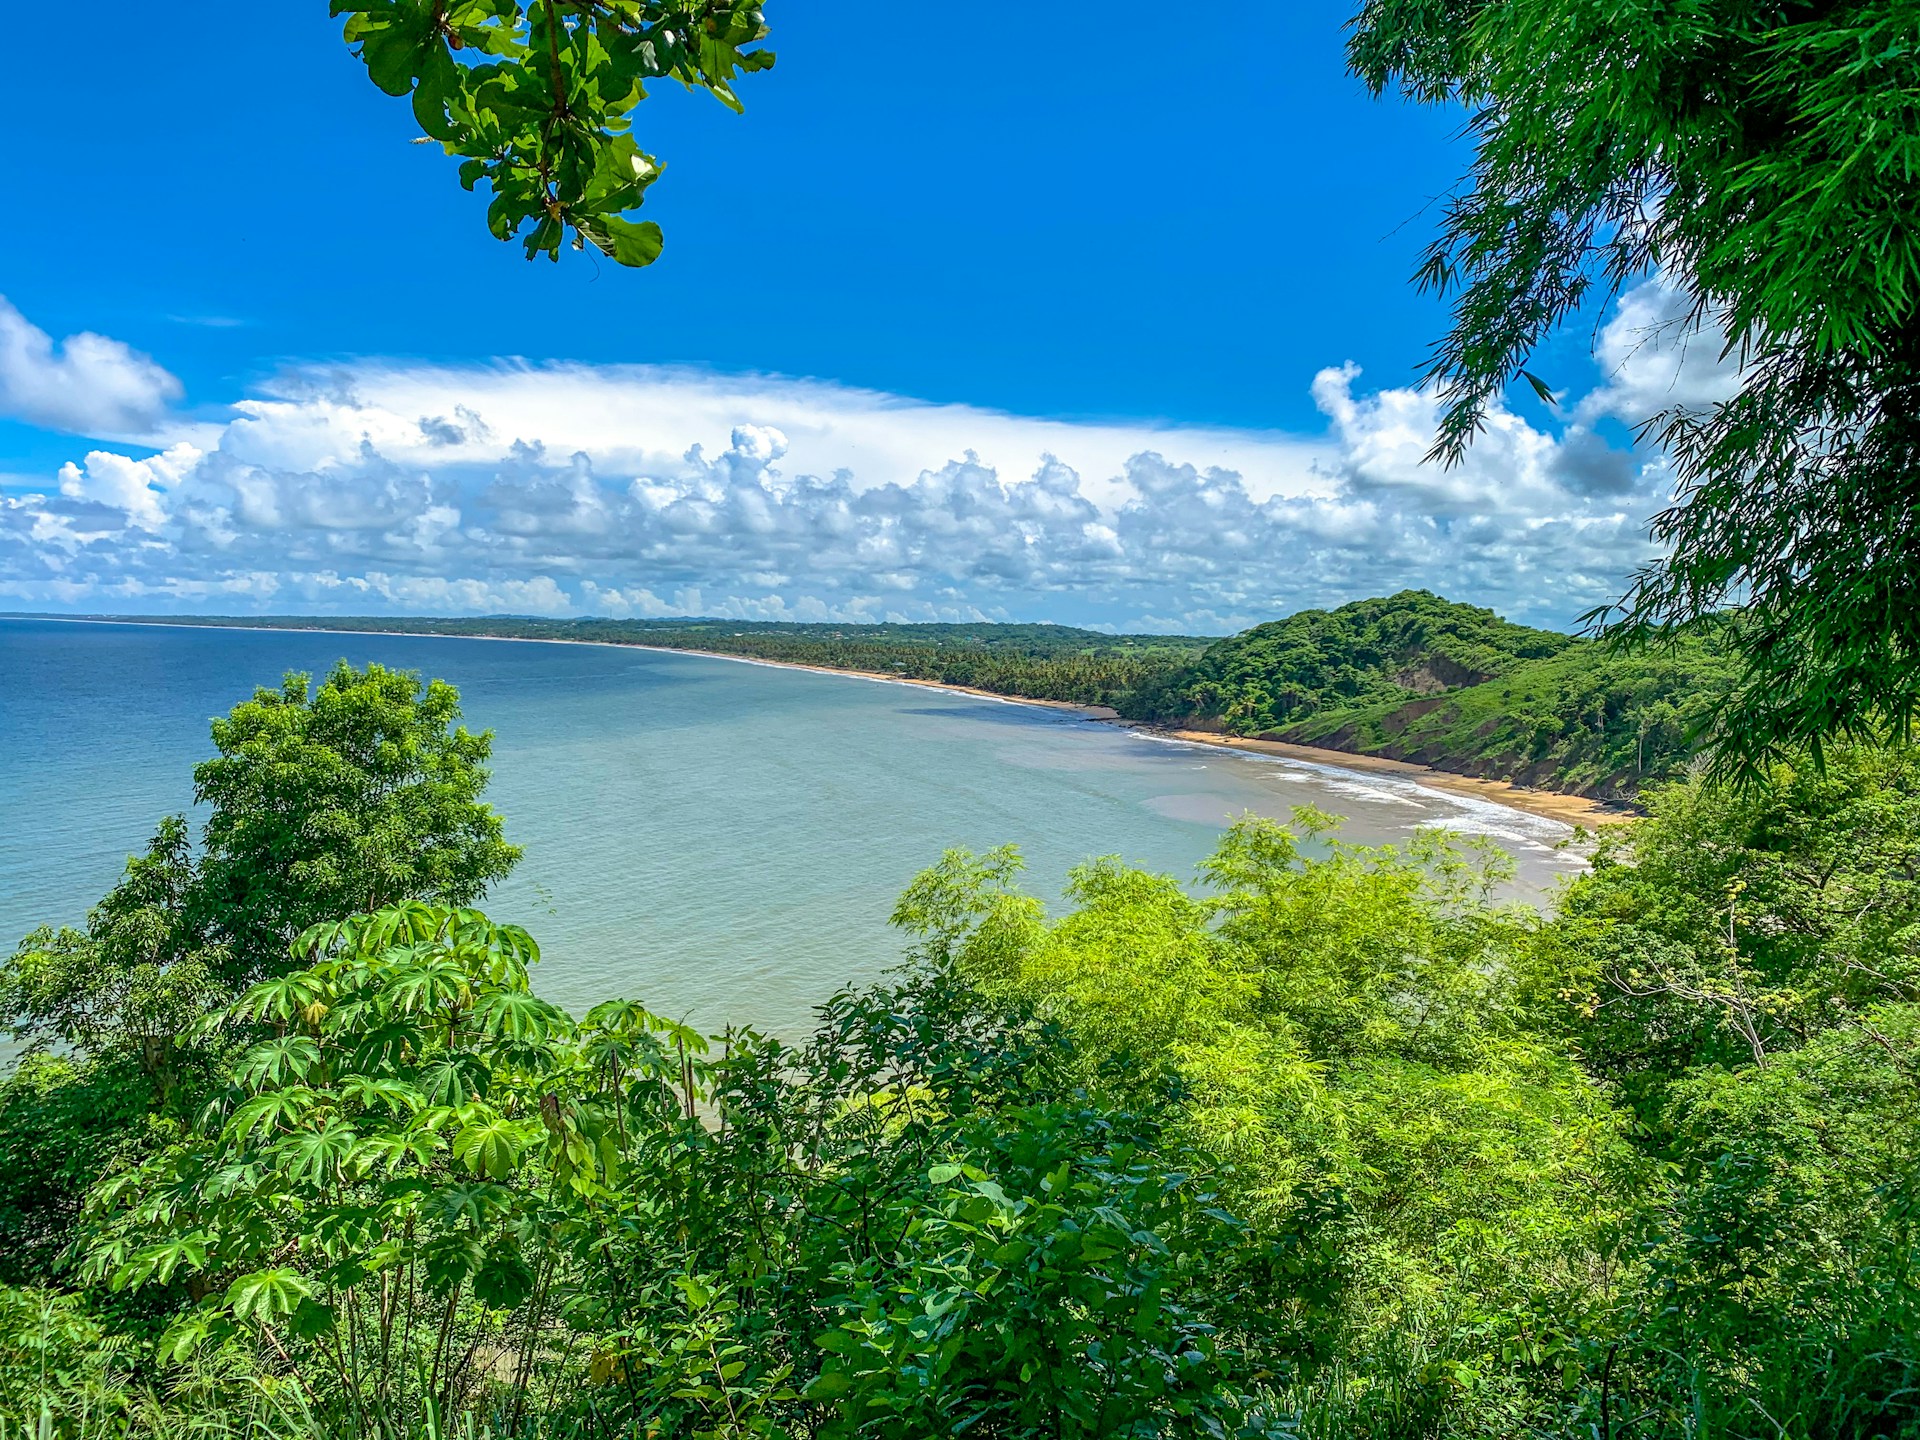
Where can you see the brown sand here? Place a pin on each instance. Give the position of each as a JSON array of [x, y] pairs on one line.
[[1568, 809], [1092, 712]]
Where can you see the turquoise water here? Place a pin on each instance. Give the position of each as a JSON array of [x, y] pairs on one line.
[[719, 840]]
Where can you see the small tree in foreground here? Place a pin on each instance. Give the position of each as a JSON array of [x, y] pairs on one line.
[[322, 800]]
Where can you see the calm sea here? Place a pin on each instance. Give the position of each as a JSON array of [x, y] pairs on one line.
[[719, 840]]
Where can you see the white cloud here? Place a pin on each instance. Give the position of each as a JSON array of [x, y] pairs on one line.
[[136, 487], [646, 419], [638, 492], [86, 385], [1657, 355]]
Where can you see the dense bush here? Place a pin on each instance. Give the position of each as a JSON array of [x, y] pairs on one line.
[[1332, 1145]]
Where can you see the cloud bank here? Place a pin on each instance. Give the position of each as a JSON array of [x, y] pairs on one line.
[[631, 491]]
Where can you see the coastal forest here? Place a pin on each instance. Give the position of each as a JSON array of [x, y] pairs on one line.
[[1030, 662], [1326, 1141], [1410, 676]]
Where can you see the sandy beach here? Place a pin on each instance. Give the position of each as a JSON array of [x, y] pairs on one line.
[[1549, 804]]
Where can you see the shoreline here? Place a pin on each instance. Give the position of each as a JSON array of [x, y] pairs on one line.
[[1574, 810]]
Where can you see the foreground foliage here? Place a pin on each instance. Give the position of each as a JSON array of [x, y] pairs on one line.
[[536, 98], [1337, 1144], [424, 1186], [321, 800]]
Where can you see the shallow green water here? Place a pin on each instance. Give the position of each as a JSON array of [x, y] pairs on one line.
[[720, 840]]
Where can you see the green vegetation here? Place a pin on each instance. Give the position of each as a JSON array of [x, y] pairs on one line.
[[1411, 677], [1417, 678], [320, 801], [1413, 643], [1032, 662], [1759, 156], [1589, 721], [536, 97], [1336, 1146], [1333, 1145]]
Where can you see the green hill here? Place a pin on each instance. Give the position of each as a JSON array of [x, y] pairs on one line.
[[1370, 652], [1415, 677], [1584, 721]]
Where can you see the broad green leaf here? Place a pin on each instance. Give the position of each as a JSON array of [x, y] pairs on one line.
[[504, 1281], [518, 1016], [316, 1157], [266, 1295], [492, 1147]]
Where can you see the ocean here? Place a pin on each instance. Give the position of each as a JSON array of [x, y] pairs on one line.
[[720, 840]]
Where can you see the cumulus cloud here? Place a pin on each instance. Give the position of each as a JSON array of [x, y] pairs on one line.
[[1657, 354], [86, 385], [644, 420], [135, 488], [561, 490]]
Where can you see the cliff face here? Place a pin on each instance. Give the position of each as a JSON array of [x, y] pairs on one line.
[[1435, 674]]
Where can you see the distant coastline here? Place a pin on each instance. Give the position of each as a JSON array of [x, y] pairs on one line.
[[1575, 810]]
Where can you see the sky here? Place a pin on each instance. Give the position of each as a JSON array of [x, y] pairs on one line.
[[960, 320]]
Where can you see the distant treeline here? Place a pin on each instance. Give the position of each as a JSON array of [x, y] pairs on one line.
[[1411, 677], [1032, 662]]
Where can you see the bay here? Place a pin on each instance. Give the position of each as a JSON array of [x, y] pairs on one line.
[[720, 840]]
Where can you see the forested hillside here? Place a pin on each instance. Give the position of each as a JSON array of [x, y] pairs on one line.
[[1413, 643], [1587, 721], [1414, 677]]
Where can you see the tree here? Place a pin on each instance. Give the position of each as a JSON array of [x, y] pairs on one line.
[[129, 984], [106, 1069], [536, 98], [1729, 927], [1740, 968], [323, 801], [1423, 1178], [1763, 157], [362, 1174], [358, 793]]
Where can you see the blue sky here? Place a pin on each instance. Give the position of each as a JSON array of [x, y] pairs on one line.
[[1154, 241]]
